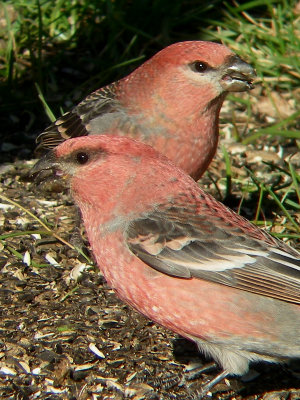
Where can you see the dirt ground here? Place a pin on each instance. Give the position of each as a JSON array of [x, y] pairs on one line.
[[65, 335]]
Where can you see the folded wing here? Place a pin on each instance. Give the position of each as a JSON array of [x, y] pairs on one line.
[[184, 245]]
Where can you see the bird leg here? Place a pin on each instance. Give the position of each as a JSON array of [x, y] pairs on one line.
[[196, 372], [199, 394], [172, 380]]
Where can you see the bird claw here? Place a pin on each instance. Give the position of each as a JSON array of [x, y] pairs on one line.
[[196, 372], [166, 382]]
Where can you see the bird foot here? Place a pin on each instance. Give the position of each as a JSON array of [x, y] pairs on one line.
[[196, 372]]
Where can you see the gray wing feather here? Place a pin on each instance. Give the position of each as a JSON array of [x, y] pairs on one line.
[[196, 247], [76, 122]]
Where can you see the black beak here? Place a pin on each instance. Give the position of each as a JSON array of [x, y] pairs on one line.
[[238, 75], [48, 161], [44, 168]]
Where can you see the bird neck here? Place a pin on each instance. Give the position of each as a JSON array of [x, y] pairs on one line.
[[190, 115]]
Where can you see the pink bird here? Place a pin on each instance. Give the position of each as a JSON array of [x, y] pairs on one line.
[[180, 257], [171, 102]]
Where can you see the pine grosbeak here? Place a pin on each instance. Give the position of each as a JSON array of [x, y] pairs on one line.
[[180, 257], [171, 102]]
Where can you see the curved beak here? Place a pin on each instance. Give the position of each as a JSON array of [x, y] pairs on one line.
[[48, 161], [45, 167], [238, 75]]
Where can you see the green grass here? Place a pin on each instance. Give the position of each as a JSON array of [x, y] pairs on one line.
[[69, 48], [105, 35], [270, 42], [267, 34]]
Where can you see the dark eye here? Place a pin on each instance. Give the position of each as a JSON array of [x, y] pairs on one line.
[[82, 158], [199, 66]]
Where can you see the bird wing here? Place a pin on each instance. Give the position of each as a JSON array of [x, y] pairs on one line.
[[185, 245], [74, 123]]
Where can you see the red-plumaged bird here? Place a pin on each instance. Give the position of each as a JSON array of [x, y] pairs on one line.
[[180, 257], [171, 102]]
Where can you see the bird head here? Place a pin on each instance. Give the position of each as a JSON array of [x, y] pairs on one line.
[[111, 173], [180, 72]]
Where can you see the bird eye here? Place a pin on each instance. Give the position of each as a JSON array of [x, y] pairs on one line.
[[199, 66], [82, 158]]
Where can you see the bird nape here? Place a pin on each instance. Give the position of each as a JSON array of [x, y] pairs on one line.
[[180, 257]]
